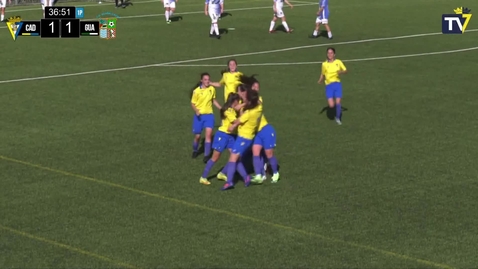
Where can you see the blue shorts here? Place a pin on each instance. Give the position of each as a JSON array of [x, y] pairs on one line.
[[202, 122], [266, 137], [223, 141], [241, 145], [333, 90]]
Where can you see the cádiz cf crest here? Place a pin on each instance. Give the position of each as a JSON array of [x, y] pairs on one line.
[[14, 25]]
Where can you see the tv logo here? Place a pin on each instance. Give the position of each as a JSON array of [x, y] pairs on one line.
[[456, 23]]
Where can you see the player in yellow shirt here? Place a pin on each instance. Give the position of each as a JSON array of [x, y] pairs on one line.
[[223, 139], [331, 71], [203, 97], [230, 79], [265, 139], [246, 125]]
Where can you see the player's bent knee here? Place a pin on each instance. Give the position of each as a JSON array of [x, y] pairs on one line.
[[269, 153], [256, 150]]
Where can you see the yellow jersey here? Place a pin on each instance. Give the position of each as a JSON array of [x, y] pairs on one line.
[[230, 82], [330, 71], [230, 116], [250, 121], [202, 99], [263, 122]]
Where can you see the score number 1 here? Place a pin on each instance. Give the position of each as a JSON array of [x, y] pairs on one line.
[[70, 28]]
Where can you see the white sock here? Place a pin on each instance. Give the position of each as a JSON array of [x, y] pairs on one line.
[[329, 34], [315, 33], [285, 26], [216, 28], [2, 17], [166, 14], [271, 28], [212, 29]]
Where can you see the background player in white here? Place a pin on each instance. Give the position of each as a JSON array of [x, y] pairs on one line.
[[46, 3], [322, 18], [169, 8], [3, 4], [279, 13], [214, 8]]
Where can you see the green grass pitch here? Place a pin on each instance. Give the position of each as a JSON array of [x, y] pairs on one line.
[[95, 142]]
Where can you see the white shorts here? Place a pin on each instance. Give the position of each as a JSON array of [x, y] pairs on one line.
[[319, 20], [279, 13], [214, 14], [3, 3], [169, 4]]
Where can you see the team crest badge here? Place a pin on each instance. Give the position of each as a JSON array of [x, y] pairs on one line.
[[14, 25]]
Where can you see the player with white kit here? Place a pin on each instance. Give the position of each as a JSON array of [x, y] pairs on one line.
[[169, 8], [46, 3], [214, 8], [279, 13], [3, 4], [322, 18]]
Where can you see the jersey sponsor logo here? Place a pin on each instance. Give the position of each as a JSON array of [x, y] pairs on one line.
[[456, 23]]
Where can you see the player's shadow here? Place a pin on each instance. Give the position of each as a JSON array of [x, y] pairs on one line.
[[280, 28], [223, 31], [330, 112], [176, 18], [323, 34], [225, 14], [126, 3]]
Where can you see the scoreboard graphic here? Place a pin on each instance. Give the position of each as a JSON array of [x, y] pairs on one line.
[[65, 22]]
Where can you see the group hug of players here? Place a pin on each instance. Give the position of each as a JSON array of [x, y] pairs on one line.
[[215, 8], [244, 129]]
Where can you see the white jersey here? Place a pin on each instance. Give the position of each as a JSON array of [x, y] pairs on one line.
[[214, 5], [3, 3], [278, 5], [169, 3]]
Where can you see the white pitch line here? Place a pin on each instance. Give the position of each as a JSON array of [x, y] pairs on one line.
[[222, 57], [197, 12], [351, 60]]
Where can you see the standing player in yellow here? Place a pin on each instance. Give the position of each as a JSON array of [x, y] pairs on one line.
[[246, 125], [202, 99], [331, 71], [230, 79]]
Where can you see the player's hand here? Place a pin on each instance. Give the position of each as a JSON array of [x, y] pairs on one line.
[[198, 114], [291, 6], [205, 13], [320, 81]]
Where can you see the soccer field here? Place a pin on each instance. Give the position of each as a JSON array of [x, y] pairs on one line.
[[95, 142]]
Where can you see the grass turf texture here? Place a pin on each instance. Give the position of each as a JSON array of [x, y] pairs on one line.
[[96, 169]]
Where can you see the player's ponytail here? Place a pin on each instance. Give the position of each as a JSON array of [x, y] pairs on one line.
[[252, 99], [231, 98], [248, 80]]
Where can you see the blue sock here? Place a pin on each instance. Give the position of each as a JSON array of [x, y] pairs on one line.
[[242, 170], [274, 165], [207, 148], [208, 167], [338, 111], [195, 146], [258, 165], [231, 170], [224, 169]]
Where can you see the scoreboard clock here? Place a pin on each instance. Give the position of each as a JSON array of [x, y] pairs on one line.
[[60, 12]]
